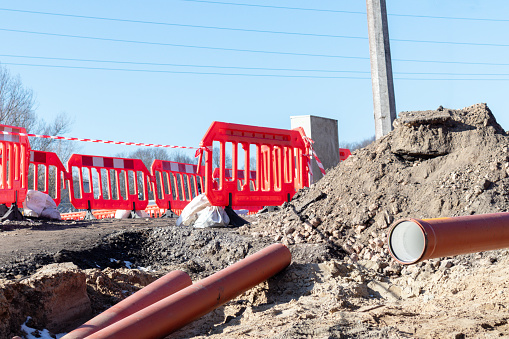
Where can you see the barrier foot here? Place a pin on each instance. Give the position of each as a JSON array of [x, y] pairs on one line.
[[133, 215], [12, 213], [235, 219], [89, 215]]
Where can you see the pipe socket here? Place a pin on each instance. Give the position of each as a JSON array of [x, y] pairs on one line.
[[413, 240]]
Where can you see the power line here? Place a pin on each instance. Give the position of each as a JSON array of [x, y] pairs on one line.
[[182, 45], [184, 25], [256, 75], [258, 30], [348, 12], [232, 49], [185, 72], [181, 65], [240, 67], [276, 7]]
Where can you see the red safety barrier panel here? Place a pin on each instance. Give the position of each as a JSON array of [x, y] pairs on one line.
[[281, 164], [53, 167], [152, 210], [344, 153], [99, 214], [176, 184], [240, 179], [14, 158], [73, 215], [111, 183]]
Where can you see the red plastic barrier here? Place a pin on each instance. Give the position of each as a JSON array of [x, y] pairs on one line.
[[100, 214], [153, 211], [240, 182], [175, 184], [73, 215], [344, 153], [14, 161], [52, 166], [281, 164], [111, 183]]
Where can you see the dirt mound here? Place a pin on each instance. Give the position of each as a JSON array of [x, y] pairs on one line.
[[434, 164]]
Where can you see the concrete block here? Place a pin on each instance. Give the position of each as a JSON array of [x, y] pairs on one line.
[[324, 132]]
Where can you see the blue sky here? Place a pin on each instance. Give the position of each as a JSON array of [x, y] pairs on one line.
[[156, 103]]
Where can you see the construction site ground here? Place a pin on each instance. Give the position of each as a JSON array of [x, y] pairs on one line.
[[342, 283]]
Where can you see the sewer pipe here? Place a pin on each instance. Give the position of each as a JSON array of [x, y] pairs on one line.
[[413, 240], [168, 315], [150, 294]]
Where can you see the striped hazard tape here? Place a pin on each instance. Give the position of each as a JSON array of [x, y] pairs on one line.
[[309, 142], [6, 132], [199, 152]]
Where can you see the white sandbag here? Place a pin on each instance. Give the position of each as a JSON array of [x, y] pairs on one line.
[[190, 212], [124, 214], [212, 216], [38, 204]]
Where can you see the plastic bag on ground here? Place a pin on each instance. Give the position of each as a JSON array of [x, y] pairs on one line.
[[38, 204], [212, 216], [190, 212]]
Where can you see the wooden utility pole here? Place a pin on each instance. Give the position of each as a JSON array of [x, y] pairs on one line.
[[381, 67]]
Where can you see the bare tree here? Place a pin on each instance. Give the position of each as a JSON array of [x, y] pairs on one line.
[[17, 102], [148, 155], [17, 108], [179, 156], [216, 160], [61, 125], [352, 146]]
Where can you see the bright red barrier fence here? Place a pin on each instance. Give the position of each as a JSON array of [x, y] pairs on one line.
[[14, 158], [240, 182], [53, 175], [175, 184], [281, 158], [108, 183]]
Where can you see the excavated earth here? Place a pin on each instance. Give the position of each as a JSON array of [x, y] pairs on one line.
[[341, 284]]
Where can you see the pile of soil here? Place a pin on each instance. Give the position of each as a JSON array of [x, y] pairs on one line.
[[342, 282], [434, 164]]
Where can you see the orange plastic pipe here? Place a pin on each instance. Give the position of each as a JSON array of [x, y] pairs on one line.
[[179, 309], [150, 294], [414, 240]]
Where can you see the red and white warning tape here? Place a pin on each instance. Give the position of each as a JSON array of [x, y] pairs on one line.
[[309, 142], [199, 151], [93, 140]]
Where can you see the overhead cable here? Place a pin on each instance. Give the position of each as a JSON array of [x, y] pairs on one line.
[[258, 30], [348, 12], [238, 67], [229, 49], [245, 74]]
